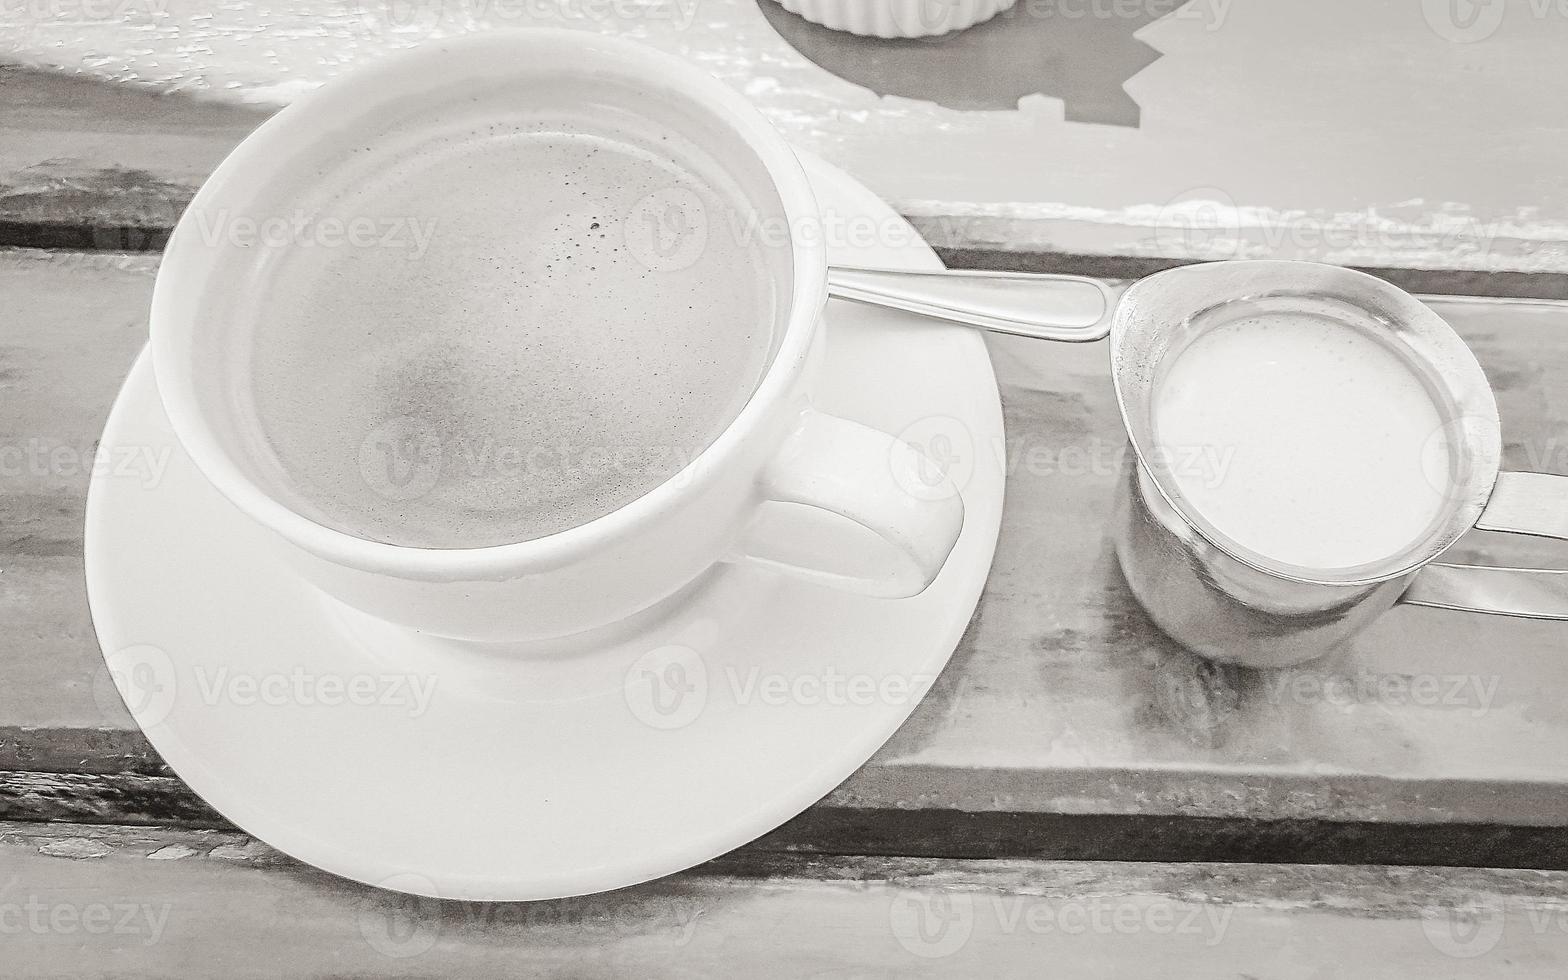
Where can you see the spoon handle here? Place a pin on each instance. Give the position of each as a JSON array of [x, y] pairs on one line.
[[1025, 304]]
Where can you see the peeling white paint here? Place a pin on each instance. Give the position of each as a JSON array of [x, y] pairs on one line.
[[75, 848]]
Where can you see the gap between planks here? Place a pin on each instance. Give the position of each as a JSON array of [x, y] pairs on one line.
[[152, 903]]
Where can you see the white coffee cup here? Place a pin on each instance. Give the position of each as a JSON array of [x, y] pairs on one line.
[[778, 450]]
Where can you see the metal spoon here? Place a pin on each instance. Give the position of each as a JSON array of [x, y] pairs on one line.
[[1025, 304]]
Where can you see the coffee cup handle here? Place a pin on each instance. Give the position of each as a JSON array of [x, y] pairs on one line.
[[880, 483], [1521, 503]]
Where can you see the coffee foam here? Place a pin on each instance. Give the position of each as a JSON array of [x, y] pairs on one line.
[[1307, 440], [555, 349]]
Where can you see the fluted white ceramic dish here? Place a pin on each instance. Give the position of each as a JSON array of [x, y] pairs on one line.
[[897, 18]]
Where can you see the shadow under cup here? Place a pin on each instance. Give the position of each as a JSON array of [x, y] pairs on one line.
[[1216, 595]]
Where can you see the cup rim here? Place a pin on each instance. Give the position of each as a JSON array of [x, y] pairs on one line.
[[806, 301], [1468, 388]]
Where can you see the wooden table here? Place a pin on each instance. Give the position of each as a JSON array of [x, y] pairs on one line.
[[1359, 815]]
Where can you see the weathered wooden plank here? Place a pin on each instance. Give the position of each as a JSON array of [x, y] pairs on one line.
[[99, 901], [1062, 706], [74, 323], [86, 165], [849, 821], [1136, 130]]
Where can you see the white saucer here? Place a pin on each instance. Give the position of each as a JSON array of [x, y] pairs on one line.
[[571, 770]]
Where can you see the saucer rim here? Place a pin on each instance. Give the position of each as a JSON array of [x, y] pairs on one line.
[[782, 804]]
